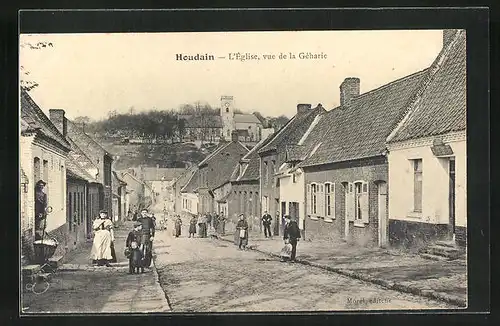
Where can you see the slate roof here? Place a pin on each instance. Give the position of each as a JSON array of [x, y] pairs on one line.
[[360, 128], [152, 173], [293, 130], [209, 121], [441, 108], [33, 118], [246, 118], [295, 153]]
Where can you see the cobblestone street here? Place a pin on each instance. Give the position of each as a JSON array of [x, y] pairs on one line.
[[206, 275]]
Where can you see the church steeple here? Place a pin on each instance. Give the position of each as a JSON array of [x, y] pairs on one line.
[[227, 116]]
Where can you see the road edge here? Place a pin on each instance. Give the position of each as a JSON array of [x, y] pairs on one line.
[[440, 296], [166, 306]]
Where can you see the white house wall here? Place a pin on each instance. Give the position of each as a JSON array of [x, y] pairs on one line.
[[435, 184], [293, 192]]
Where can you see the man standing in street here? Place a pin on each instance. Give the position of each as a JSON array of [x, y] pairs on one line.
[[291, 234], [148, 233], [266, 222]]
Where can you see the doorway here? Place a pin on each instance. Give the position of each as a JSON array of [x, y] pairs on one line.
[[382, 214], [451, 198]]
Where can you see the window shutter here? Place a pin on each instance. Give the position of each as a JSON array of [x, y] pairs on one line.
[[350, 202], [308, 199], [332, 199], [321, 201], [365, 203]]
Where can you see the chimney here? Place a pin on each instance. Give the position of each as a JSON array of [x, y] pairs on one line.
[[349, 89], [58, 120], [448, 35], [303, 108], [234, 136]]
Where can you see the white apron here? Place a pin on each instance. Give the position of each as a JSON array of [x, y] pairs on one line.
[[101, 248]]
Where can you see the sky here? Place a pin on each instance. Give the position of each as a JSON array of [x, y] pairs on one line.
[[93, 74]]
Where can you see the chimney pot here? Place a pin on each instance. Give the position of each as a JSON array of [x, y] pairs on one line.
[[303, 108], [57, 118], [349, 89]]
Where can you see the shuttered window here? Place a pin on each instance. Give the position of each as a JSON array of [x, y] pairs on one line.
[[417, 185], [349, 202], [321, 201], [314, 201]]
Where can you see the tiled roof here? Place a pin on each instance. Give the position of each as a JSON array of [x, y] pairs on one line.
[[34, 118], [82, 140], [252, 169], [25, 127], [192, 184], [441, 108], [222, 164], [293, 130], [359, 129], [246, 118], [153, 173], [78, 156], [208, 121], [74, 170], [295, 153]]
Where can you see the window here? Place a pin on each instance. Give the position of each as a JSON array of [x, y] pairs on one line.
[[361, 202], [417, 185], [294, 178], [313, 199], [70, 211], [63, 182], [227, 110], [329, 200]]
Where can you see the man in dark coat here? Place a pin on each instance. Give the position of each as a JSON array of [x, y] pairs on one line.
[[266, 222], [292, 235], [40, 209], [148, 233]]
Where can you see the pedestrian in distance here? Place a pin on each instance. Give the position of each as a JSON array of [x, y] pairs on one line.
[[242, 232], [192, 226], [222, 223], [291, 235], [178, 226], [134, 249], [266, 222]]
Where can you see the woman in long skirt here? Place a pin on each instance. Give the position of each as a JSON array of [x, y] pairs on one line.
[[192, 226], [178, 225], [101, 248], [242, 232]]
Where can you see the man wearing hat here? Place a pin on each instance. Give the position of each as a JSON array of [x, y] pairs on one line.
[[148, 233], [40, 209], [291, 234], [134, 236]]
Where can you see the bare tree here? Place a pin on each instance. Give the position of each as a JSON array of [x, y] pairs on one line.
[[26, 82]]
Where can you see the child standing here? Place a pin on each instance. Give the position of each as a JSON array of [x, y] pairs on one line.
[[134, 249]]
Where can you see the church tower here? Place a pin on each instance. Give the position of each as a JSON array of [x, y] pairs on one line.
[[227, 116]]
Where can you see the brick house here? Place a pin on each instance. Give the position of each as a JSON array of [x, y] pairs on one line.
[[427, 156], [240, 193], [212, 173], [272, 155], [135, 189], [178, 184], [346, 175], [99, 157], [43, 154]]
